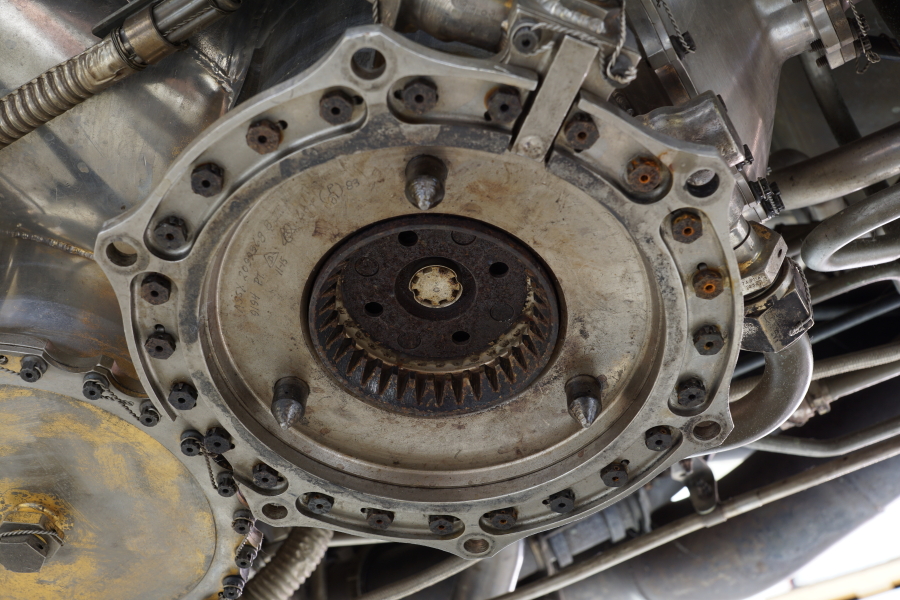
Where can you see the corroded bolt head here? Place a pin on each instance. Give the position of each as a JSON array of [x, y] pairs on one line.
[[562, 502], [425, 176], [160, 345], [266, 477], [502, 519], [289, 401], [207, 179], [581, 132], [156, 288], [225, 484], [691, 392], [441, 524], [419, 96], [504, 104], [336, 107], [526, 40], [319, 504], [149, 416], [264, 136], [32, 369], [708, 340], [708, 283], [217, 441], [379, 519], [615, 474], [183, 396], [659, 438], [170, 233], [583, 397], [687, 227], [643, 174]]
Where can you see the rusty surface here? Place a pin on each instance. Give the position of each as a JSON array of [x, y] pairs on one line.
[[207, 179], [160, 345], [581, 132], [419, 96], [687, 227], [691, 393], [264, 136], [155, 289], [504, 104], [379, 519], [708, 283], [708, 340], [336, 107], [615, 474], [170, 233], [644, 174]]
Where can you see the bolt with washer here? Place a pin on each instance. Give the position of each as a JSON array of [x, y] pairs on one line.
[[94, 385], [562, 502], [687, 227], [442, 524], [526, 40], [217, 441], [207, 180], [581, 132], [644, 174], [191, 443], [504, 104], [319, 504], [419, 96], [32, 369], [379, 519], [264, 136], [691, 392], [149, 416], [242, 521], [183, 396], [266, 477], [336, 107], [708, 283], [502, 519], [225, 484]]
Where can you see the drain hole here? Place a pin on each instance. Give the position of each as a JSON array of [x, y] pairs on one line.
[[408, 238], [460, 337], [374, 309], [499, 269]]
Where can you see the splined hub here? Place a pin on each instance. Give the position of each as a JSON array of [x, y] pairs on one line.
[[434, 315]]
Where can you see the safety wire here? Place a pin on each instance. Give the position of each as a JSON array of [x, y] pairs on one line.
[[870, 56], [685, 46]]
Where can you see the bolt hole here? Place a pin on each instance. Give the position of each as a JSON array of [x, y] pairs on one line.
[[398, 94], [709, 288], [121, 254], [205, 183], [707, 430], [460, 337], [499, 269], [283, 125], [582, 135], [526, 43], [504, 107], [320, 506], [419, 98], [261, 139], [659, 442], [154, 293], [335, 110], [374, 309], [688, 231], [702, 190], [476, 546], [158, 348], [368, 63], [708, 345], [408, 238], [276, 512], [780, 252], [644, 178]]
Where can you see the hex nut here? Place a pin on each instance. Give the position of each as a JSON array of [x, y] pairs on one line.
[[225, 484], [762, 271], [207, 180], [242, 521], [615, 474], [149, 416], [92, 389], [779, 316], [581, 132], [708, 340], [160, 345], [170, 233], [503, 519], [26, 553], [264, 136], [526, 40], [245, 557], [708, 283], [643, 174], [562, 502], [442, 524], [217, 441], [319, 504], [659, 438], [336, 107], [265, 477], [32, 368], [183, 396], [232, 587], [687, 227], [156, 288], [379, 519], [419, 96], [191, 443], [691, 392], [504, 104]]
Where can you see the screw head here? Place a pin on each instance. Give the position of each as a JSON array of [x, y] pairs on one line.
[[687, 227], [562, 502], [191, 444], [244, 559], [170, 233], [32, 369], [226, 485], [156, 288], [708, 340], [504, 104], [614, 475], [183, 396], [217, 441], [264, 136], [232, 587], [441, 524], [659, 438], [502, 519], [207, 180], [581, 132], [419, 96], [242, 521], [336, 107], [149, 416], [160, 345], [526, 40], [691, 392], [319, 504], [266, 477], [92, 389], [379, 519], [643, 174], [708, 283]]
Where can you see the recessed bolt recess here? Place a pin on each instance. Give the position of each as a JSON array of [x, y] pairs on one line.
[[581, 132], [159, 344], [149, 415], [659, 438], [562, 502], [289, 401], [183, 396], [319, 504], [583, 395], [425, 176], [708, 340], [419, 96], [264, 136], [379, 519], [207, 179], [217, 441], [171, 233], [504, 104], [442, 524], [225, 484], [502, 519], [615, 474], [691, 392], [266, 477], [156, 288], [336, 107], [32, 369]]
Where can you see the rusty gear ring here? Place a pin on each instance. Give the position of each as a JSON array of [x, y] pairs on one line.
[[390, 350]]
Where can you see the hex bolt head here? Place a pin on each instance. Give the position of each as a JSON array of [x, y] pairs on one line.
[[183, 396], [502, 519], [561, 502], [425, 176], [27, 553], [659, 438], [264, 136], [191, 443], [708, 340], [225, 484], [267, 478], [526, 40], [691, 392], [643, 174], [708, 283], [156, 289], [207, 179], [581, 132], [687, 227], [94, 385], [336, 107], [170, 233], [583, 397], [379, 519], [242, 521], [32, 369], [232, 587], [504, 104], [442, 524], [319, 504], [289, 401], [149, 416], [245, 557], [419, 96], [614, 474], [160, 345], [217, 441]]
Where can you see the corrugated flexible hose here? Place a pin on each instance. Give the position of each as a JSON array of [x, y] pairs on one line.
[[293, 563]]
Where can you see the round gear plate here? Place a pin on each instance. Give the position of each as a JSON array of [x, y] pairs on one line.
[[434, 315]]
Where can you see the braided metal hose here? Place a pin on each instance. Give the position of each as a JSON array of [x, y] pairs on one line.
[[294, 562]]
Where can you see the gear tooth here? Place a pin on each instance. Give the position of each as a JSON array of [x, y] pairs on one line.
[[330, 320], [330, 291], [440, 386], [402, 382], [421, 386], [507, 368], [369, 370], [342, 349], [535, 329], [539, 315], [334, 336], [474, 380], [458, 382], [529, 345], [493, 378], [519, 357], [384, 379], [354, 361], [328, 305]]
